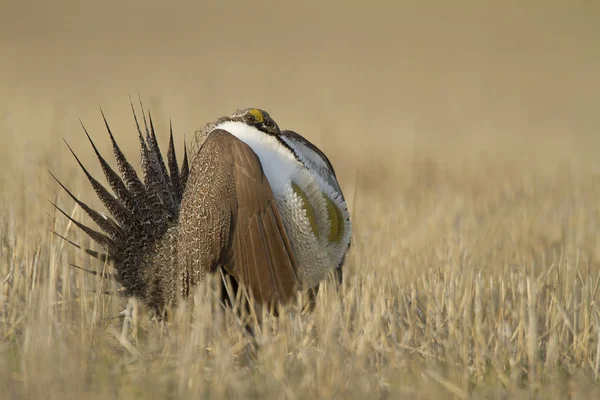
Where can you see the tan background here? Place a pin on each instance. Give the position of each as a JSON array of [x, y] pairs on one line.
[[431, 104], [472, 129], [364, 77]]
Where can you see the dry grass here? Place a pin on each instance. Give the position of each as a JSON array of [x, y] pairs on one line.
[[476, 283], [471, 175]]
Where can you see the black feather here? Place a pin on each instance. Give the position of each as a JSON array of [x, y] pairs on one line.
[[106, 223], [111, 203], [173, 168], [143, 212], [130, 177], [98, 237], [103, 257]]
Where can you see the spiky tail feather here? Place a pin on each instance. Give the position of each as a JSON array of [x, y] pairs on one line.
[[137, 236]]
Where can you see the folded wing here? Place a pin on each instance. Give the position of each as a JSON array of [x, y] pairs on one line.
[[229, 219]]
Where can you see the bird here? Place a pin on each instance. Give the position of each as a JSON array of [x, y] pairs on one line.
[[259, 205]]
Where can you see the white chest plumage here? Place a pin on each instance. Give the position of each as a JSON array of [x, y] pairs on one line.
[[293, 185]]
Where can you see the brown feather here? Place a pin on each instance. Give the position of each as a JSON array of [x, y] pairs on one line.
[[270, 271], [229, 218]]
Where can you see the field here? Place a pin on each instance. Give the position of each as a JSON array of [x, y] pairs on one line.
[[466, 138]]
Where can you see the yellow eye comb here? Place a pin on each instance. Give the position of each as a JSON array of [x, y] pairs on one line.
[[257, 114]]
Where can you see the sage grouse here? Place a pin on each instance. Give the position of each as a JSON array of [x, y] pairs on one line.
[[261, 205]]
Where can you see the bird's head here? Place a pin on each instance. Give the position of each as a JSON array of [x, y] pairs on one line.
[[260, 119]]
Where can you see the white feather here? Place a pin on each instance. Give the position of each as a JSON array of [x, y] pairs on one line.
[[316, 256], [279, 164]]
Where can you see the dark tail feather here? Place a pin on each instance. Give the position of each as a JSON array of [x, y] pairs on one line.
[[144, 157], [153, 143], [105, 275], [98, 237], [103, 257], [185, 169], [130, 177], [110, 202], [113, 179], [142, 211], [155, 172], [106, 223], [160, 193], [173, 168]]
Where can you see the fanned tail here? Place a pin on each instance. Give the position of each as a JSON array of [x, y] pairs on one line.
[[141, 212]]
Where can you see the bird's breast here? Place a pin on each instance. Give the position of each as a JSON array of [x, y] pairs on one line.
[[310, 218]]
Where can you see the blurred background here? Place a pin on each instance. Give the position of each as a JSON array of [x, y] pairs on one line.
[[465, 135], [375, 83]]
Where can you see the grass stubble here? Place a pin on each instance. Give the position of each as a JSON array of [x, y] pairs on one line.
[[471, 275]]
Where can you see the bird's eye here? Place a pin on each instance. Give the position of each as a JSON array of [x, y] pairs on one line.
[[250, 118]]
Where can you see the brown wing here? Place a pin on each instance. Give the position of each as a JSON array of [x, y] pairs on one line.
[[229, 218]]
